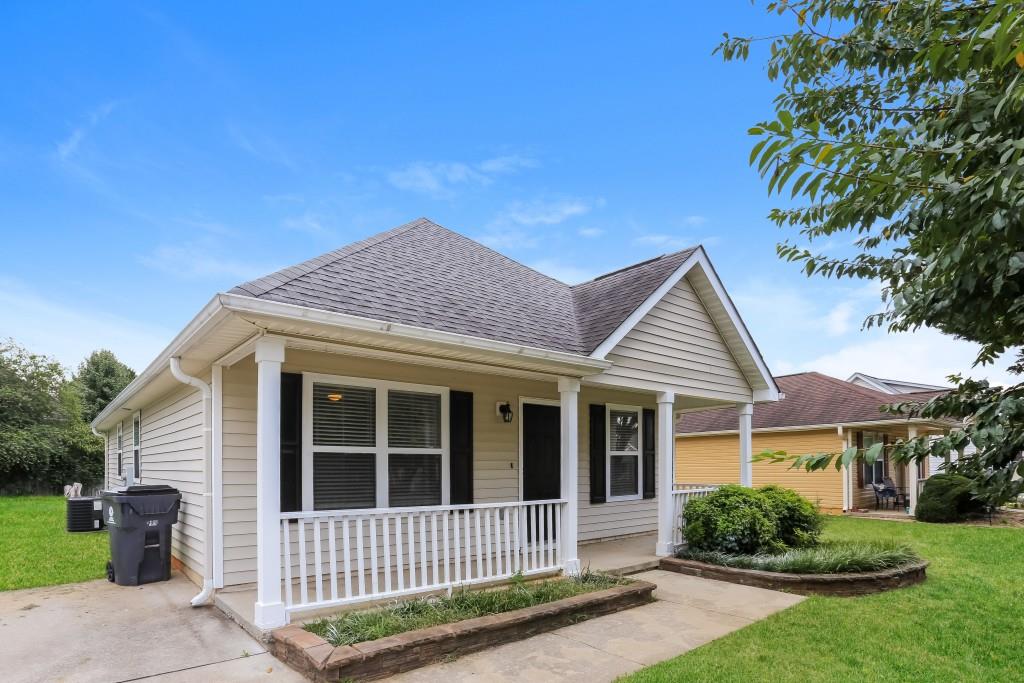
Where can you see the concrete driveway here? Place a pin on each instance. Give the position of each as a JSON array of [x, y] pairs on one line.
[[99, 632]]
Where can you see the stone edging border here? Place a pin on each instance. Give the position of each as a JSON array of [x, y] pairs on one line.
[[863, 583], [320, 661]]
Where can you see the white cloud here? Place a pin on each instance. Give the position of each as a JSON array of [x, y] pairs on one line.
[[68, 148], [308, 223], [817, 327], [839, 320], [544, 212], [517, 225], [195, 260], [591, 232], [925, 356], [507, 164], [566, 272], [695, 220], [441, 179], [70, 333], [260, 146], [663, 241]]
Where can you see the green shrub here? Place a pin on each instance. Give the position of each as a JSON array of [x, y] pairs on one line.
[[827, 558], [947, 498], [733, 519], [799, 520]]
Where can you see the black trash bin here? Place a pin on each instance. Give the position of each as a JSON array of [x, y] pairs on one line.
[[139, 520]]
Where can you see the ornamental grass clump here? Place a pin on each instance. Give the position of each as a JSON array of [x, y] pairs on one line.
[[826, 558], [409, 615]]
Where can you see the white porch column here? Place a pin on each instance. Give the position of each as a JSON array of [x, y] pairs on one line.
[[568, 393], [664, 444], [846, 475], [269, 610], [912, 473], [746, 445]]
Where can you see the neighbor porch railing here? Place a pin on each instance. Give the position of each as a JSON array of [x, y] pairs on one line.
[[337, 557], [682, 495]]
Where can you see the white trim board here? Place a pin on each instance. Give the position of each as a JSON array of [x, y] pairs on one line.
[[832, 425]]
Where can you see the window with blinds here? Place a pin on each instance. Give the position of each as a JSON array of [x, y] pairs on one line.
[[414, 420], [414, 479], [344, 415], [353, 468], [623, 453], [344, 481]]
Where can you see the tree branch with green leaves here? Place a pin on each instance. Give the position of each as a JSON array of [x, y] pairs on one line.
[[902, 124]]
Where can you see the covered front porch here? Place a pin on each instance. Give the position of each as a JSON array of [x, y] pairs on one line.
[[350, 480]]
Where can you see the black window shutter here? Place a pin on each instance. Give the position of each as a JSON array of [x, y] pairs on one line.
[[650, 463], [461, 457], [598, 454], [291, 442]]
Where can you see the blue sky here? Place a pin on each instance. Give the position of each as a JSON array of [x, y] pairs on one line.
[[152, 155]]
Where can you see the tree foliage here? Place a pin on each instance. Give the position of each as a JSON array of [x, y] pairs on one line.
[[44, 442], [901, 124], [101, 377]]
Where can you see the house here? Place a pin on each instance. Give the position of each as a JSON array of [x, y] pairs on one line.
[[416, 411], [817, 414], [892, 386]]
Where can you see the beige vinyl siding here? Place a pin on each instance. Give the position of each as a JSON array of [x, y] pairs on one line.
[[172, 454], [614, 518], [495, 445], [676, 345], [715, 460]]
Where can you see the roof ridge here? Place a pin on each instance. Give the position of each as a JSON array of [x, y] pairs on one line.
[[870, 393], [312, 264], [638, 264]]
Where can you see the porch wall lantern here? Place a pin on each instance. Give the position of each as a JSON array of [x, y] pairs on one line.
[[504, 411]]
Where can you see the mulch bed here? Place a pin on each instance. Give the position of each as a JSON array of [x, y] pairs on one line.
[[861, 583], [320, 661]]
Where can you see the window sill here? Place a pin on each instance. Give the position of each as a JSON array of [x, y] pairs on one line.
[[619, 499]]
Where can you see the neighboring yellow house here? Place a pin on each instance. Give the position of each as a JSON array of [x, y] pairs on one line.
[[818, 414]]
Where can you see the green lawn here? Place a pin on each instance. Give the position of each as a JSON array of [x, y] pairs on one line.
[[35, 550], [963, 624]]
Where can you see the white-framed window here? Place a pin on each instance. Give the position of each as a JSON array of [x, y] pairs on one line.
[[624, 438], [876, 472], [137, 444], [120, 451], [373, 443]]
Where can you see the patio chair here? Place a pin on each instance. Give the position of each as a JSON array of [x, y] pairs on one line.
[[884, 493]]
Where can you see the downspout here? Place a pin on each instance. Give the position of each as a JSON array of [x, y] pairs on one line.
[[206, 593]]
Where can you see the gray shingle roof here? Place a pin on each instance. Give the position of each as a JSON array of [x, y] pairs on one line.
[[425, 275]]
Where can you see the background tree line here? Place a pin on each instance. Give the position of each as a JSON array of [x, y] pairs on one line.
[[45, 438]]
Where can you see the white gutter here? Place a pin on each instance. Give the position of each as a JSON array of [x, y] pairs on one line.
[[209, 500]]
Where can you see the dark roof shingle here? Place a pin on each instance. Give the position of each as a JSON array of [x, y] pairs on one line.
[[425, 275], [811, 399]]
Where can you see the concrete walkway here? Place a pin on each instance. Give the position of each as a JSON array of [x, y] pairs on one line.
[[99, 632], [689, 612]]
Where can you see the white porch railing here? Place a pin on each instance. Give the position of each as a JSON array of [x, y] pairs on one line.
[[338, 557], [682, 496]]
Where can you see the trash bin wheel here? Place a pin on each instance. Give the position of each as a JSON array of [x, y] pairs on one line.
[[110, 571]]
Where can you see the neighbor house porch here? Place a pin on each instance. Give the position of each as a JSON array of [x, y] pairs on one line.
[[353, 478]]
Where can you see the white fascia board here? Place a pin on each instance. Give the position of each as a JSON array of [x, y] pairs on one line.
[[698, 258], [835, 425], [212, 312], [583, 365], [871, 381]]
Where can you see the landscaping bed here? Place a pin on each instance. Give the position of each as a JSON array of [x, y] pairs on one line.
[[835, 584], [385, 641]]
